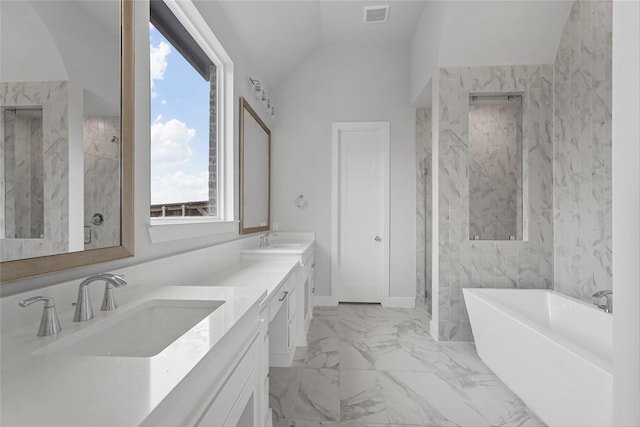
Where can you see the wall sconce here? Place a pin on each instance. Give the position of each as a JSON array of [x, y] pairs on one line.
[[260, 93], [257, 88]]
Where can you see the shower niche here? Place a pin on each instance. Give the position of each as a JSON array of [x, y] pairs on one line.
[[496, 167], [23, 164]]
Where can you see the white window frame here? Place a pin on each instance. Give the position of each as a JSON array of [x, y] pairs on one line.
[[175, 228]]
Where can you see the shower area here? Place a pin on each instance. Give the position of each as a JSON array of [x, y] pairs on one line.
[[101, 135], [423, 207]]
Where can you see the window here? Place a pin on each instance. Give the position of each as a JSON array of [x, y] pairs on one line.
[[187, 116]]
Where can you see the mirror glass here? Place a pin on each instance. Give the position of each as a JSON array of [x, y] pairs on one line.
[[255, 142], [495, 167], [64, 138]]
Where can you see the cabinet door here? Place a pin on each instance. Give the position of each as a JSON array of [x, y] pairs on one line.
[[238, 397]]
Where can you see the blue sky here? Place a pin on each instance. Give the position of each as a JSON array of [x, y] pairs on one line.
[[179, 126]]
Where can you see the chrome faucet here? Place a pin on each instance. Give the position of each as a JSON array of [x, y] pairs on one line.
[[49, 324], [84, 309], [608, 304], [264, 239]]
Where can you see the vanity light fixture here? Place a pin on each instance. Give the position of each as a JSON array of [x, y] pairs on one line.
[[260, 93], [257, 88]]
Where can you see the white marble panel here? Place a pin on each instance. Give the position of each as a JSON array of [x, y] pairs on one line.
[[464, 262], [423, 206], [582, 152]]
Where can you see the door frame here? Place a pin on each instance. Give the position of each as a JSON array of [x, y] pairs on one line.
[[336, 129]]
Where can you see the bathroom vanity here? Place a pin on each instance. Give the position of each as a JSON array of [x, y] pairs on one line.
[[186, 347], [177, 355], [300, 247]]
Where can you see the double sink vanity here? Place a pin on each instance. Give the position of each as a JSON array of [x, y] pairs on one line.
[[194, 352]]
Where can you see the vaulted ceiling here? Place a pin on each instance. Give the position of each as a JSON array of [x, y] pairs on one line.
[[279, 34]]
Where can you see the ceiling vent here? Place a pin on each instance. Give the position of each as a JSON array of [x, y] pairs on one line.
[[376, 14]]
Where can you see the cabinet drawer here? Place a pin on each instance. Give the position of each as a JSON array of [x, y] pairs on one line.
[[280, 297], [307, 258], [276, 303], [307, 266]]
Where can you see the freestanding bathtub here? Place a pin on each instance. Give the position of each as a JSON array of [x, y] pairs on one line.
[[553, 351]]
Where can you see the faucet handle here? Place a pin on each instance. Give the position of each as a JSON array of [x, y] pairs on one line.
[[49, 324], [602, 293]]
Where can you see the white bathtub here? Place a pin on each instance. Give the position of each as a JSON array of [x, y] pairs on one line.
[[553, 351]]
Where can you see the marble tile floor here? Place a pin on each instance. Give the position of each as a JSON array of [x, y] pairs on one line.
[[371, 366]]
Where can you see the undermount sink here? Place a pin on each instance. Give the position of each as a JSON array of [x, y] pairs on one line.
[[143, 331]]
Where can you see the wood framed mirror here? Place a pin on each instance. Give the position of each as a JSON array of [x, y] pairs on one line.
[[255, 171], [81, 82]]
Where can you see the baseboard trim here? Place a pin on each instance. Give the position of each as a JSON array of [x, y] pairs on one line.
[[391, 302], [281, 360], [325, 300], [399, 302]]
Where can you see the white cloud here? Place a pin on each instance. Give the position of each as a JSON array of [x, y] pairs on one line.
[[180, 187], [170, 142], [158, 62]]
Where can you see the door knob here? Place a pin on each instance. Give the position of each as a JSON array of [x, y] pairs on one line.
[[377, 239]]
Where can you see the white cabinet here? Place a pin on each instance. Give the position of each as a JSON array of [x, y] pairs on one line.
[[236, 404], [305, 288], [263, 368], [225, 388], [282, 328]]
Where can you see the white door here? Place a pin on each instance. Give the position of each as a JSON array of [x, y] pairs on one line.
[[360, 212]]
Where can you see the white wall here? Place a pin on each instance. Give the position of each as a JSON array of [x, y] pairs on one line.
[[477, 33], [344, 83], [144, 249], [425, 48], [626, 211], [28, 50]]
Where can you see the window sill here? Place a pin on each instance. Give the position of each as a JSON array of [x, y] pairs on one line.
[[170, 229]]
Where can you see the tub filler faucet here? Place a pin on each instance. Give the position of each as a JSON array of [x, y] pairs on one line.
[[607, 306]]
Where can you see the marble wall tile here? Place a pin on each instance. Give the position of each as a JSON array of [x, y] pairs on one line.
[[423, 206], [53, 98], [582, 152], [492, 263]]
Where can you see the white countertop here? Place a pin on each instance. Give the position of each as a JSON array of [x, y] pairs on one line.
[[64, 389], [44, 386], [284, 244], [262, 273]]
